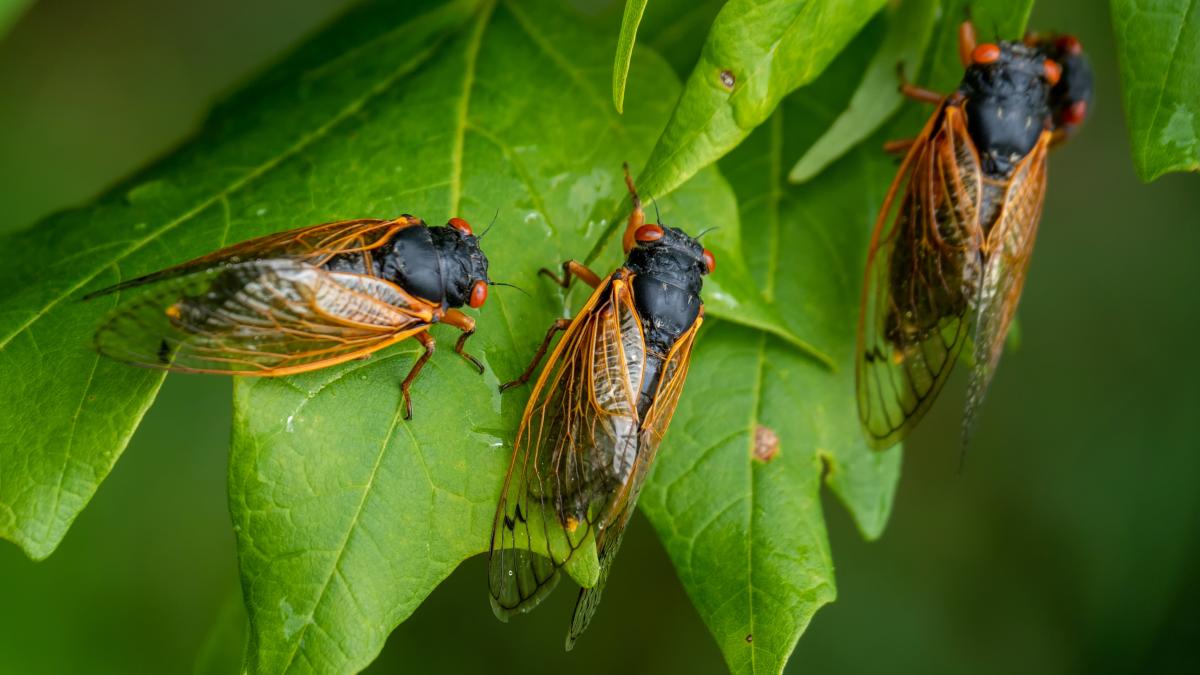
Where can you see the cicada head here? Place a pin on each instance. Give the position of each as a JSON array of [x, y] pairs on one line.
[[1071, 98], [669, 252], [463, 265], [1005, 93]]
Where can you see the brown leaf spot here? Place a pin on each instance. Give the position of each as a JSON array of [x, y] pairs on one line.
[[766, 444], [727, 79], [749, 637]]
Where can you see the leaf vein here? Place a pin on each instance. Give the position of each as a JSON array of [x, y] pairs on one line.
[[1167, 75]]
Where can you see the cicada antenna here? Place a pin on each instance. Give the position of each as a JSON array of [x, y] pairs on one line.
[[501, 283], [489, 227]]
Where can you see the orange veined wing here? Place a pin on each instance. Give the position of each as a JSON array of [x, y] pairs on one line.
[[266, 317], [1006, 257], [576, 447], [923, 272], [620, 508], [315, 244]]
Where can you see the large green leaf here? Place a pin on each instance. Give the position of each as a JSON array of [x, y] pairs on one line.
[[756, 53], [347, 516], [1158, 43], [289, 151]]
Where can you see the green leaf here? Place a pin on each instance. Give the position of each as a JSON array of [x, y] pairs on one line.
[[909, 27], [346, 515], [287, 152], [65, 413], [625, 41], [1158, 44], [756, 53]]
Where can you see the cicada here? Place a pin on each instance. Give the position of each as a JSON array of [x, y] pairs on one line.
[[953, 240], [304, 299], [597, 415], [1071, 98]]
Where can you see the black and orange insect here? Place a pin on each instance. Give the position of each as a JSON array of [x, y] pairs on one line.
[[304, 299], [597, 415], [1071, 98], [953, 240]]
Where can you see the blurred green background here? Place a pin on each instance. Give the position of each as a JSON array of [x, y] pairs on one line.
[[1068, 545]]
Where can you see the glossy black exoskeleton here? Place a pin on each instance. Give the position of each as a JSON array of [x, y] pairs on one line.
[[1005, 92], [669, 274], [442, 265], [1071, 98], [668, 267]]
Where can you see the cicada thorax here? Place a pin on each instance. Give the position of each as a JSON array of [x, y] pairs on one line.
[[1006, 102], [666, 279], [441, 265]]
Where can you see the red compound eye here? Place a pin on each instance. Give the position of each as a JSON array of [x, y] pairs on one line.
[[986, 53], [478, 294], [460, 225], [1069, 44], [1053, 71], [1075, 114], [709, 261], [647, 233]]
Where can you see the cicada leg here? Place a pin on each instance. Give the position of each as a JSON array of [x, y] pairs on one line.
[[558, 325], [572, 269], [921, 94], [430, 346], [467, 325], [966, 42], [914, 92], [637, 217], [898, 147]]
